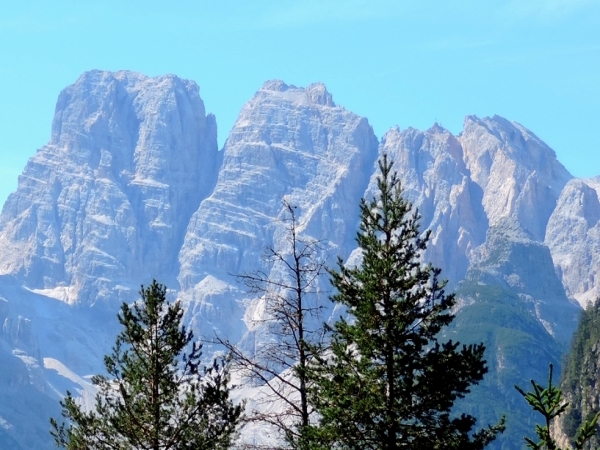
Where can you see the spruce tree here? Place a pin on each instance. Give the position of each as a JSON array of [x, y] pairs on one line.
[[549, 402], [157, 395], [389, 380]]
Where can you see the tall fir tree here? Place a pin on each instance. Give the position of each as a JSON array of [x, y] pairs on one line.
[[157, 395], [389, 381]]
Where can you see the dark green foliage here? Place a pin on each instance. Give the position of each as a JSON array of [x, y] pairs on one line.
[[548, 401], [389, 382], [518, 349], [584, 339], [581, 375], [157, 395]]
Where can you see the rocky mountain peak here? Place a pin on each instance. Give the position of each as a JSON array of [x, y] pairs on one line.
[[435, 178], [132, 186], [516, 170], [517, 143], [315, 93], [573, 235], [107, 200]]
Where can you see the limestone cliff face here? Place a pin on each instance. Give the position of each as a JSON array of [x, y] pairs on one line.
[[104, 205], [519, 174], [290, 144], [435, 178], [132, 186], [573, 236]]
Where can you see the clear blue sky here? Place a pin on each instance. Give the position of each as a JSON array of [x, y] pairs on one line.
[[397, 62]]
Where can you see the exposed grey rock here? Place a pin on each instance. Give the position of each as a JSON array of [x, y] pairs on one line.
[[437, 181], [519, 174], [573, 235], [104, 205], [131, 186], [289, 144]]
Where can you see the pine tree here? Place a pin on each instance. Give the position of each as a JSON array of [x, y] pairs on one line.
[[157, 395], [549, 402], [388, 381]]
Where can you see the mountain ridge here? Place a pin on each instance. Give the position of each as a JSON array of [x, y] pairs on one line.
[[132, 187]]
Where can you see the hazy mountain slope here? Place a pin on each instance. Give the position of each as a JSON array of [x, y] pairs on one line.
[[39, 338], [23, 393]]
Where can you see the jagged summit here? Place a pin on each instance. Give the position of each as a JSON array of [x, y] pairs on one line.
[[97, 93], [517, 172], [289, 144], [435, 178], [106, 201], [506, 129], [315, 93]]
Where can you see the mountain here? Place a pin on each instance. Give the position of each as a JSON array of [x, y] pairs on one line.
[[573, 236], [519, 174], [514, 303], [436, 179], [132, 186], [105, 204], [288, 144]]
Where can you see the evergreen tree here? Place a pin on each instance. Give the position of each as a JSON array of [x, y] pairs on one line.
[[548, 401], [581, 375], [156, 395], [388, 382]]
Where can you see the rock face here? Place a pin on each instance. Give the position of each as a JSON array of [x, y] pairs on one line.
[[512, 260], [288, 144], [105, 204], [437, 181], [519, 174], [132, 186], [573, 235]]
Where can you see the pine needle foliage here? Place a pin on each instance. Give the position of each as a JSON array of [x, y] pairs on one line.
[[388, 381], [549, 402], [157, 395]]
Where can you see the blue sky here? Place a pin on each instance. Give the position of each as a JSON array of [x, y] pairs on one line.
[[397, 62]]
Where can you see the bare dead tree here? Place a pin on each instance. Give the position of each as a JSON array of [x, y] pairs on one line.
[[291, 319]]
